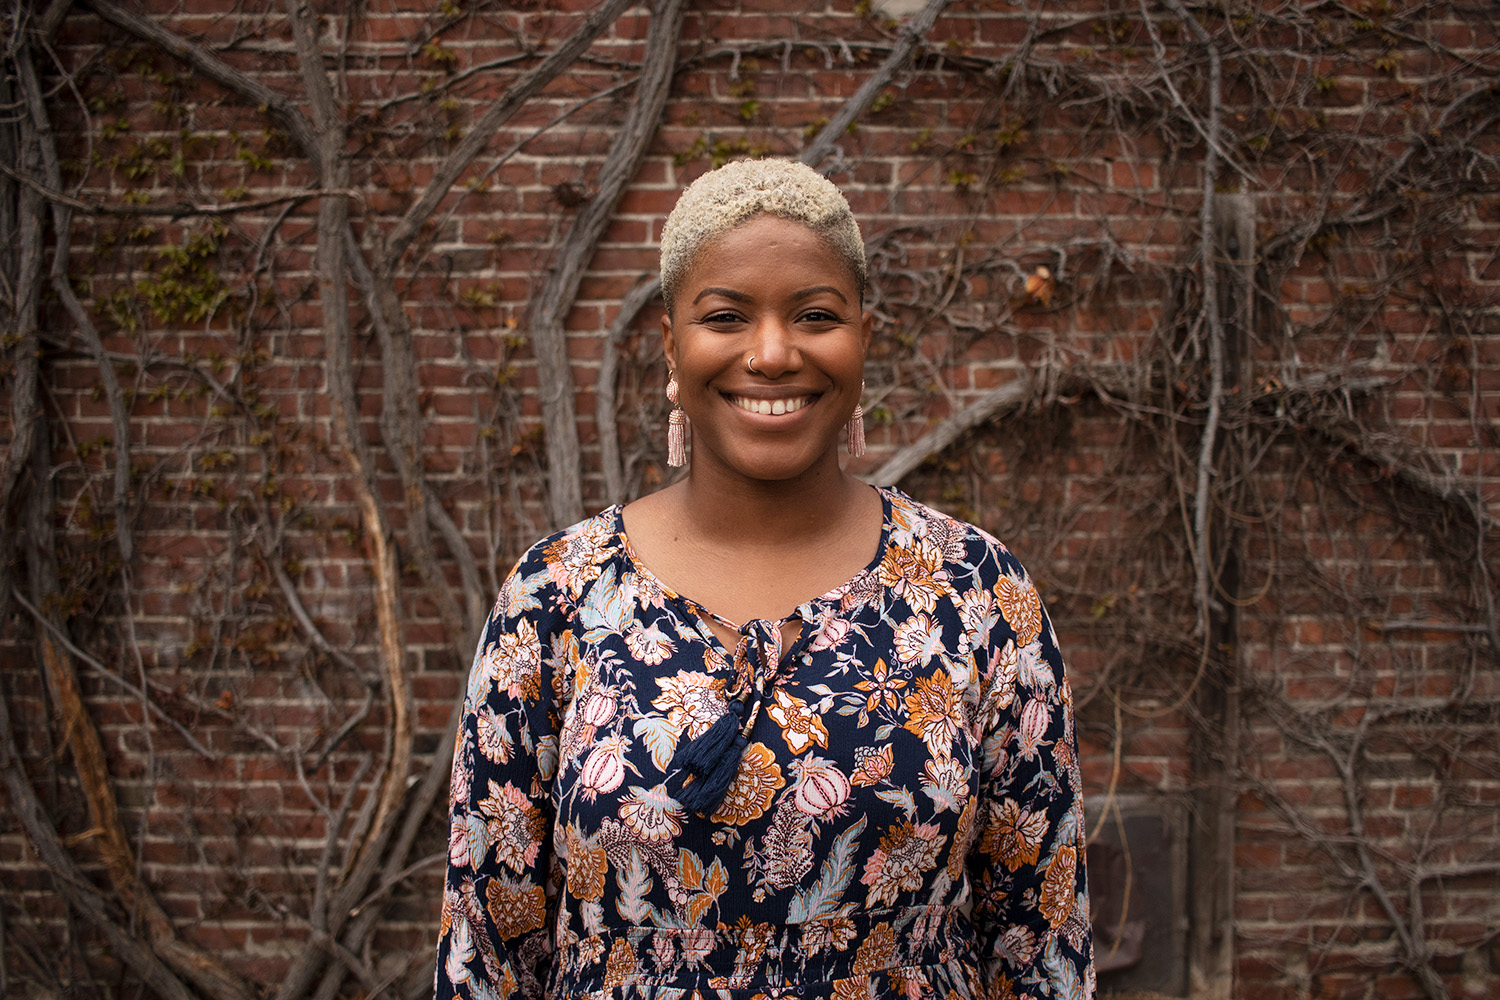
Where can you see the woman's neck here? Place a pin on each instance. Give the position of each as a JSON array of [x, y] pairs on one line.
[[761, 513]]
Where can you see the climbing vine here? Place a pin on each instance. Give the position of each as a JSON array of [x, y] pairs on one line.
[[1191, 303]]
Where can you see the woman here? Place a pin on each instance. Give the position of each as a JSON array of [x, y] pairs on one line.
[[768, 732]]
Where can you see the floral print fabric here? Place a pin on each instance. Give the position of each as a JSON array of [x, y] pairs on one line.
[[905, 819]]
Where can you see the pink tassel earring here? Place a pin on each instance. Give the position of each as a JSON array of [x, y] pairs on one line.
[[854, 430], [676, 427]]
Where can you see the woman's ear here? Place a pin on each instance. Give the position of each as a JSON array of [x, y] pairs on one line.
[[669, 341], [867, 323]]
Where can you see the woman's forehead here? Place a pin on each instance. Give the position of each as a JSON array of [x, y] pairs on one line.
[[767, 239]]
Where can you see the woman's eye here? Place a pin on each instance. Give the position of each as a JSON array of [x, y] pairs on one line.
[[819, 316], [721, 318]]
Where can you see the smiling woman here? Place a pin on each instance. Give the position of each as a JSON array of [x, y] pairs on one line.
[[766, 341], [768, 732]]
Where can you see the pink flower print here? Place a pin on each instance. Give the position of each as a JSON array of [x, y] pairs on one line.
[[649, 645], [1035, 718], [603, 768], [918, 639]]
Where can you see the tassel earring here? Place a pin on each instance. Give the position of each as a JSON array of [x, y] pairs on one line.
[[676, 427], [854, 430]]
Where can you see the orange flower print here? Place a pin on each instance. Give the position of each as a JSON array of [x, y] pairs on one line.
[[515, 825], [513, 663], [946, 783], [1014, 836], [915, 574], [620, 968], [756, 784], [836, 933], [909, 983], [933, 713], [958, 851], [1019, 945], [652, 814], [1021, 607], [876, 950], [872, 764], [516, 907], [692, 700], [801, 727], [851, 989], [881, 687], [1005, 669], [1056, 898], [907, 852], [978, 612], [586, 867], [573, 560]]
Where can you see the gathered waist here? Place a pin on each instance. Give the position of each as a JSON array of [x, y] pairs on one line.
[[745, 954]]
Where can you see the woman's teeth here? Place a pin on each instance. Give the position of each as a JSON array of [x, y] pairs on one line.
[[770, 407]]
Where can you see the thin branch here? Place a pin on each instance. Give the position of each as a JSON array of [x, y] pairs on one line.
[[200, 59], [912, 34], [333, 279], [137, 954], [1458, 628], [516, 96], [401, 428], [606, 419], [141, 695], [554, 301], [1007, 398], [1202, 558], [178, 210]]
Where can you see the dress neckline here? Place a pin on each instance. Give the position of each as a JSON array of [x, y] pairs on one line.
[[833, 596]]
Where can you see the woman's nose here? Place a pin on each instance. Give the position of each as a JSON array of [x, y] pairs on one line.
[[774, 349]]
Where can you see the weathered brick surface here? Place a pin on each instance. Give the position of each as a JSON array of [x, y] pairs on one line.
[[1364, 605]]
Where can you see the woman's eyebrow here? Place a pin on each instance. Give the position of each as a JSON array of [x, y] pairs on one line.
[[735, 296], [808, 293], [727, 293]]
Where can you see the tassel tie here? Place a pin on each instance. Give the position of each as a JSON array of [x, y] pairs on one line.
[[712, 759]]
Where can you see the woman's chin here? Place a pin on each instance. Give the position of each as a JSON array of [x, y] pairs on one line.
[[774, 462]]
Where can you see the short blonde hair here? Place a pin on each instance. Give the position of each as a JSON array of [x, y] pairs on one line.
[[737, 192]]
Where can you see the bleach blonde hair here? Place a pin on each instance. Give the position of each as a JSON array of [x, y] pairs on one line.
[[737, 192]]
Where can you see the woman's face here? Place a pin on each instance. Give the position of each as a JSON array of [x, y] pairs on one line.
[[772, 290]]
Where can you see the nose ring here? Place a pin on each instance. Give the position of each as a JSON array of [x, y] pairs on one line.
[[750, 367]]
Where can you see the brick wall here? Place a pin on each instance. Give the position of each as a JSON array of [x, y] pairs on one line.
[[1323, 747]]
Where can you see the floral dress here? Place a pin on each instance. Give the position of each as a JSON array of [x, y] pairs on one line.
[[902, 817]]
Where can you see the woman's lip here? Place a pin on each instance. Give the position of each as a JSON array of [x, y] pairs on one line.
[[774, 407]]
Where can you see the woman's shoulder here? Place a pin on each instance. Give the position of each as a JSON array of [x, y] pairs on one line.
[[965, 547], [562, 566]]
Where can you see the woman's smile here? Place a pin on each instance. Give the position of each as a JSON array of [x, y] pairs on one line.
[[771, 407]]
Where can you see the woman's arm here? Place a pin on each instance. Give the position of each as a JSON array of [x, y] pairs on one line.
[[1027, 863], [499, 898]]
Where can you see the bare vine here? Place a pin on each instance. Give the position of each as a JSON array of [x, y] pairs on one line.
[[181, 292]]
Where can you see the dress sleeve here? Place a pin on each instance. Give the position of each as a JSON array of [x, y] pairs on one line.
[[499, 900], [1027, 863]]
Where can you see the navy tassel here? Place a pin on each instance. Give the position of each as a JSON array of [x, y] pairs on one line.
[[712, 759], [707, 790], [698, 755]]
